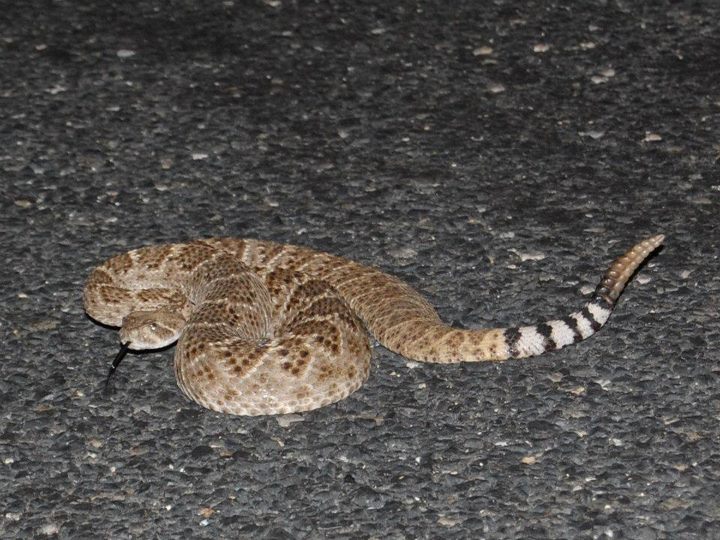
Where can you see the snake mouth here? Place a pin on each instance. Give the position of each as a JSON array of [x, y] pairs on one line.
[[124, 348]]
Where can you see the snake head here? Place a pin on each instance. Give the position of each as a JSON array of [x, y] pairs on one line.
[[144, 330]]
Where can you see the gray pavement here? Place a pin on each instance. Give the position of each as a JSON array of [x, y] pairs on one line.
[[496, 155]]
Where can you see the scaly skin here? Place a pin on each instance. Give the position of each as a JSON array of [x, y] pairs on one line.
[[266, 328]]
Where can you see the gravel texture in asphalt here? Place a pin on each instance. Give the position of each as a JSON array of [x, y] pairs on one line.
[[496, 155]]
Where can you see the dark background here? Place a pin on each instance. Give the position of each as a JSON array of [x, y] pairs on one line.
[[496, 155]]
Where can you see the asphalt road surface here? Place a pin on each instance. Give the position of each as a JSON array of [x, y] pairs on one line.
[[496, 155]]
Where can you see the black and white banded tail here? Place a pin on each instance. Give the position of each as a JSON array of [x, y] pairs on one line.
[[536, 339]]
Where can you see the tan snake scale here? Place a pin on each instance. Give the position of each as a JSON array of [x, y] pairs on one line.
[[267, 328]]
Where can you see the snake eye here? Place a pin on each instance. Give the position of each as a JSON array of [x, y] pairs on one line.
[[153, 327]]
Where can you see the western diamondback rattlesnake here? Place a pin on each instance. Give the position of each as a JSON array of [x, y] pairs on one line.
[[266, 328]]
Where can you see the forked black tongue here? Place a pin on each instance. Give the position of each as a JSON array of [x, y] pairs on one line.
[[124, 348]]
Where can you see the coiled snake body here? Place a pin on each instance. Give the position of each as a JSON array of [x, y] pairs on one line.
[[266, 328]]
